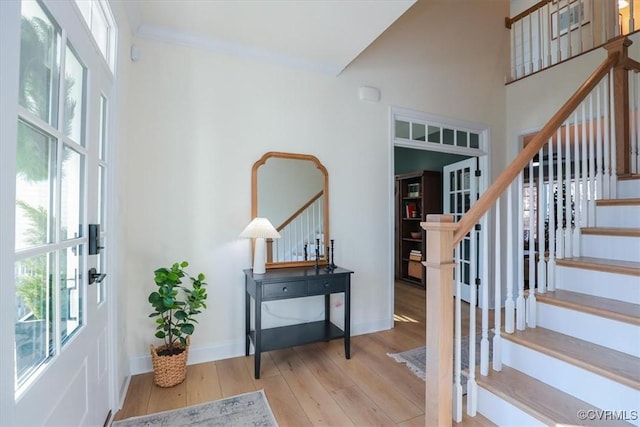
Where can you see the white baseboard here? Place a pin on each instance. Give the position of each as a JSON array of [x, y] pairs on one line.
[[200, 354]]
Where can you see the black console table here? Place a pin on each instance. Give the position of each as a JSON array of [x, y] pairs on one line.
[[286, 283]]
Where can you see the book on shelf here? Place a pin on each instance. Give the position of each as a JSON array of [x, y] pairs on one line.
[[411, 210], [413, 190], [415, 258]]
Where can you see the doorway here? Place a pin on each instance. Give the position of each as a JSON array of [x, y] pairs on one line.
[[421, 141]]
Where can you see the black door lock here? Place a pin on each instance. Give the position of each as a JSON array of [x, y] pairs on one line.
[[94, 276]]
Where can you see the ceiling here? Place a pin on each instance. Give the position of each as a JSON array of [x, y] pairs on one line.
[[317, 35]]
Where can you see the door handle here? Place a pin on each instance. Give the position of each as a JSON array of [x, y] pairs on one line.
[[94, 276]]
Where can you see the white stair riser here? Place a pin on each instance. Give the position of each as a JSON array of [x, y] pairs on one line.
[[621, 248], [618, 216], [621, 287], [501, 412], [580, 383], [610, 333], [628, 189]]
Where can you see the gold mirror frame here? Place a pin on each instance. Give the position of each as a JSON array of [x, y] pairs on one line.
[[254, 200]]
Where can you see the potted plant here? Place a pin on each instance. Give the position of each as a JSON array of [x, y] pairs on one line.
[[175, 306]]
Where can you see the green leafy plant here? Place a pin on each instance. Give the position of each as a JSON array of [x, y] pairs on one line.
[[176, 305]]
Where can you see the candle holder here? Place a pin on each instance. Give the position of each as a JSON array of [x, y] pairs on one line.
[[330, 264]]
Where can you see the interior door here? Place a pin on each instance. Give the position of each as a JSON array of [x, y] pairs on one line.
[[460, 192], [62, 347]]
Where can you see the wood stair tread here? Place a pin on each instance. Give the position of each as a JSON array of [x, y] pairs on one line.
[[611, 231], [604, 307], [541, 401], [615, 365], [618, 202], [628, 176], [631, 268]]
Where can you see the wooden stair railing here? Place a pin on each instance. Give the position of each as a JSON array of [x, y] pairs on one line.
[[289, 221], [443, 234]]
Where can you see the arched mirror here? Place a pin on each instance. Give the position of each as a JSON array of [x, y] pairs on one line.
[[291, 191]]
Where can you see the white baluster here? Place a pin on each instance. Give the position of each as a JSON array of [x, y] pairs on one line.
[[524, 72], [531, 300], [540, 50], [559, 201], [592, 164], [457, 348], [520, 301], [509, 305], [568, 230], [633, 125], [584, 168], [531, 69], [613, 184], [599, 167], [606, 178], [551, 265], [542, 208], [577, 200], [549, 35], [484, 287], [472, 385], [497, 290]]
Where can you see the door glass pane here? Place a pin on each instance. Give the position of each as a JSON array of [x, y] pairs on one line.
[[417, 132], [434, 134], [461, 138], [71, 194], [474, 140], [101, 194], [447, 136], [70, 291], [39, 63], [103, 127], [100, 28], [402, 129], [34, 325], [35, 186], [74, 97]]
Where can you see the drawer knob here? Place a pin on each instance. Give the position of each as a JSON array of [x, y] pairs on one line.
[[284, 289], [326, 284]]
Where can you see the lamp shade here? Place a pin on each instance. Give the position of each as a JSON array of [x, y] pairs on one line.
[[260, 228]]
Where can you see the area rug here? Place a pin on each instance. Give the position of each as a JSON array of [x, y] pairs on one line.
[[416, 358], [249, 409]]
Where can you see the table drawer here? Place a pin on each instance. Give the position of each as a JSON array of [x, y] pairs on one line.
[[327, 285], [284, 289]]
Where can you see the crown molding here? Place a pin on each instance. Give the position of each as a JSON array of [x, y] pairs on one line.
[[167, 35]]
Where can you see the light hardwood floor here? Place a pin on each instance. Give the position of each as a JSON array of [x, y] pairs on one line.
[[314, 384]]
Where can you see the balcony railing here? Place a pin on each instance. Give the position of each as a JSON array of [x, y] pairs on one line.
[[553, 31]]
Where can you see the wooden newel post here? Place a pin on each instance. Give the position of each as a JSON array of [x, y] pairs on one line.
[[621, 104], [439, 367]]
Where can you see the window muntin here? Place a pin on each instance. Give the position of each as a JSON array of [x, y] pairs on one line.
[[433, 133]]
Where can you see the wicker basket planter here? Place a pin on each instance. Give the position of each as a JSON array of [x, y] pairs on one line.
[[169, 370]]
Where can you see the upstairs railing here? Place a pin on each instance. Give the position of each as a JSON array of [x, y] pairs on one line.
[[573, 160], [552, 31], [300, 233]]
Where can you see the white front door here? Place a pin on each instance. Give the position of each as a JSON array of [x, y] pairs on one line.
[[58, 139], [460, 192]]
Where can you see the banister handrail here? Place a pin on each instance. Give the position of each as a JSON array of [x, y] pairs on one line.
[[509, 21], [299, 211], [489, 197]]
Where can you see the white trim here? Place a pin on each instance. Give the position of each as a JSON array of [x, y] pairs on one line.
[[441, 148], [484, 165], [9, 37], [169, 36]]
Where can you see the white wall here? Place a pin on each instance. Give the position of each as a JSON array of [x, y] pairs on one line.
[[195, 122]]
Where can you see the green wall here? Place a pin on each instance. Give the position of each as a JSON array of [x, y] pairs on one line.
[[409, 160]]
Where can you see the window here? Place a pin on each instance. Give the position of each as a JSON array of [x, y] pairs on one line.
[[50, 164], [98, 18], [435, 134]]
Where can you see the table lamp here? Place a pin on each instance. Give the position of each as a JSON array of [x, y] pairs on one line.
[[260, 229]]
